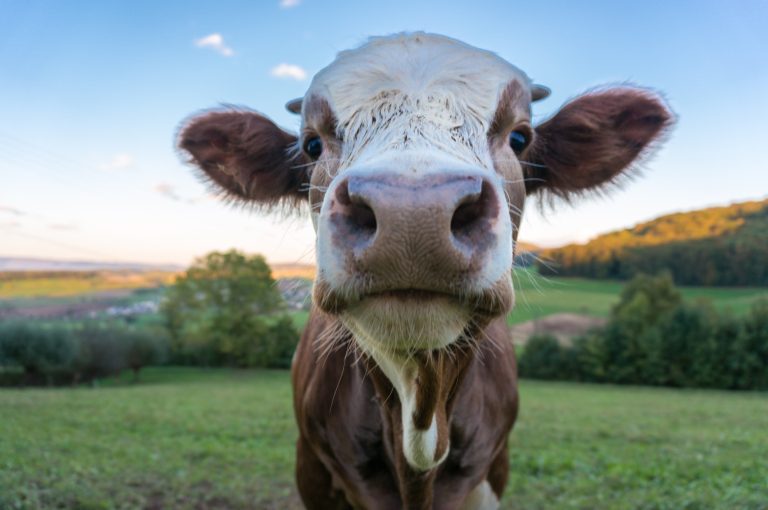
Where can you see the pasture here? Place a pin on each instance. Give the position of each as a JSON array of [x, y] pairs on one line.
[[73, 294], [205, 439], [48, 284], [538, 296]]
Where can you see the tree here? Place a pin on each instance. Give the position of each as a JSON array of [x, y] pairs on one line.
[[645, 300], [752, 369], [39, 351], [144, 347], [543, 358], [216, 311]]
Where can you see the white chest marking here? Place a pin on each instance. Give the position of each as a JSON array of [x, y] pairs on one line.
[[419, 446]]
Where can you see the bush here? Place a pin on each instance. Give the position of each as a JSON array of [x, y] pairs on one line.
[[102, 352], [40, 352], [543, 358], [143, 348], [58, 354], [645, 300], [654, 338], [751, 364], [281, 339], [686, 351]]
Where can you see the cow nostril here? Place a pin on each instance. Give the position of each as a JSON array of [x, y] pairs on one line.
[[471, 213], [362, 217], [466, 215], [357, 218]]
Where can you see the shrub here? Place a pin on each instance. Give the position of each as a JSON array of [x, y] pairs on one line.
[[282, 339], [645, 300], [654, 338], [58, 353], [39, 351], [145, 347], [102, 351], [751, 370], [588, 355], [543, 358], [683, 332]]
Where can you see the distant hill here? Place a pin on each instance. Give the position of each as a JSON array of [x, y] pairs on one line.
[[715, 246], [35, 264], [283, 270], [523, 246]]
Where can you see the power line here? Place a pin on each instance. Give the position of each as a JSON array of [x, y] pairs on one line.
[[62, 244], [40, 151]]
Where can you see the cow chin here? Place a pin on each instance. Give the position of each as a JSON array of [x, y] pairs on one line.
[[406, 323]]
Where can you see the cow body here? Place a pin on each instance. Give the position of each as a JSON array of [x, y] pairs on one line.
[[415, 156], [349, 416]]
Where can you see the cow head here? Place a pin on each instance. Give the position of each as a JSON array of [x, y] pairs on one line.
[[415, 156]]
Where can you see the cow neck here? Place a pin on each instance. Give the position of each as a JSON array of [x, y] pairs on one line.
[[425, 383]]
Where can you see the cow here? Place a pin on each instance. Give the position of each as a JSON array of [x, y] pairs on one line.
[[415, 158]]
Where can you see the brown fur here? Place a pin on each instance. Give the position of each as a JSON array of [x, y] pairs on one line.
[[593, 139], [350, 430], [350, 447], [247, 156]]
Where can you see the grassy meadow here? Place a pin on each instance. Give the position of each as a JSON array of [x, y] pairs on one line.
[[52, 284], [224, 439], [538, 296], [204, 439]]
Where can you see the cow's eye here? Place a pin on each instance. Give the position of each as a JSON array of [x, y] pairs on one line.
[[313, 147], [518, 140]]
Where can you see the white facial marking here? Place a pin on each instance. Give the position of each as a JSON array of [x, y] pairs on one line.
[[416, 105], [385, 326]]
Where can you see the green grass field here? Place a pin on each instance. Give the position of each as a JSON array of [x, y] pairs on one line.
[[53, 284], [538, 296], [204, 439]]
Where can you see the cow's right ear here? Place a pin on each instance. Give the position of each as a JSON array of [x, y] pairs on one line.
[[247, 156]]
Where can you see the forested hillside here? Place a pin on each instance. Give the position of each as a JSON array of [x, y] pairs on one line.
[[715, 246]]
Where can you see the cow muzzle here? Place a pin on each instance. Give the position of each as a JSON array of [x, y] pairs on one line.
[[391, 245]]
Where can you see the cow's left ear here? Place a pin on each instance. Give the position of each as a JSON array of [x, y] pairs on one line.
[[247, 156], [594, 139]]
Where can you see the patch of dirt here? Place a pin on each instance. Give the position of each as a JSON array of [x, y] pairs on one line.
[[563, 326]]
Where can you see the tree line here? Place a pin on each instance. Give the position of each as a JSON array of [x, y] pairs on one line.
[[61, 353], [718, 246], [654, 338], [225, 310]]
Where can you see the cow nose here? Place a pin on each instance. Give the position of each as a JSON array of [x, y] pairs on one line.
[[438, 223], [354, 217]]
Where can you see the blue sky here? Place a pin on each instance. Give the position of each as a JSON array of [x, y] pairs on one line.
[[92, 94]]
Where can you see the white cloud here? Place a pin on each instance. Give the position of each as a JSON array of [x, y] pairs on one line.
[[171, 192], [216, 42], [119, 162], [287, 4], [11, 210], [289, 71], [168, 191], [207, 197], [62, 226], [9, 224]]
